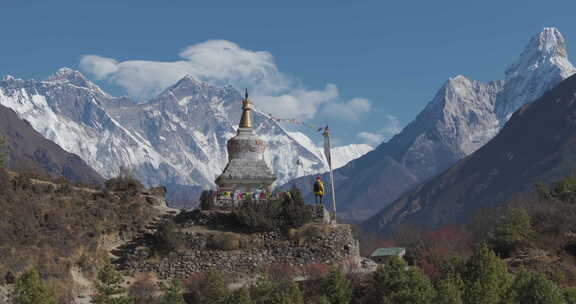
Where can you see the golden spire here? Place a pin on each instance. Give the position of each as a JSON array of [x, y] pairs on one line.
[[246, 120]]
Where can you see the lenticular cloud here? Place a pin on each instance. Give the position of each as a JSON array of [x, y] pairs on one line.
[[219, 62]]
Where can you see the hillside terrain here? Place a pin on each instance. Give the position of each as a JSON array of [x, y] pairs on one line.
[[65, 232]]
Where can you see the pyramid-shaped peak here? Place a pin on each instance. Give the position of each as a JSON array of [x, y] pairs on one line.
[[545, 51], [550, 42], [458, 78], [65, 74]]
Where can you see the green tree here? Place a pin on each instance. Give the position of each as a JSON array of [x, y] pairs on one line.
[[450, 289], [336, 287], [513, 229], [213, 288], [30, 289], [263, 291], [570, 295], [295, 294], [323, 300], [295, 212], [394, 283], [534, 288], [486, 278], [109, 289], [167, 238], [564, 189], [171, 293], [241, 296]]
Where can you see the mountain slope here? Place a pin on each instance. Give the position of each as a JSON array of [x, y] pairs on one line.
[[27, 150], [461, 118], [537, 144]]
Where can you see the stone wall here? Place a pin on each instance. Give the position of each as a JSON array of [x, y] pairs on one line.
[[335, 244]]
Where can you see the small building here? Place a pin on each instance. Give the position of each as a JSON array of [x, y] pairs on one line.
[[381, 255]]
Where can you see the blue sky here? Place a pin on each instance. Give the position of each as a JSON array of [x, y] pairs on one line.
[[360, 66]]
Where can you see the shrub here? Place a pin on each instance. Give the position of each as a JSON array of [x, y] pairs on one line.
[[30, 289], [288, 212], [167, 238], [124, 182]]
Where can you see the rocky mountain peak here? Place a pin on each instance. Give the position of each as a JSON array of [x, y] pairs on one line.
[[546, 50], [66, 75]]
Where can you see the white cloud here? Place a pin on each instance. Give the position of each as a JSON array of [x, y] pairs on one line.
[[350, 110], [298, 103], [391, 127], [222, 62], [372, 139]]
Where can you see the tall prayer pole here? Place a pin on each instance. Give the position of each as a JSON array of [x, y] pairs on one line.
[[327, 149]]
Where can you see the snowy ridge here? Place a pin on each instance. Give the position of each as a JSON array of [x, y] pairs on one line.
[[178, 137]]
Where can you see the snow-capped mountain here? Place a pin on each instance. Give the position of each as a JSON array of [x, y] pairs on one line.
[[542, 65], [177, 138], [462, 117]]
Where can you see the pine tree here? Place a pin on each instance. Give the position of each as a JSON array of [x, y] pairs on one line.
[[534, 288], [295, 295], [171, 294], [569, 295], [30, 289], [241, 296], [513, 228], [263, 291], [450, 290], [109, 289], [213, 288], [394, 283], [336, 287], [486, 278]]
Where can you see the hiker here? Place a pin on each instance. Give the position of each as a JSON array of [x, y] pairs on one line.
[[318, 190]]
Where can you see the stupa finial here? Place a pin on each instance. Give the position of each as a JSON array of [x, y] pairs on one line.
[[246, 120]]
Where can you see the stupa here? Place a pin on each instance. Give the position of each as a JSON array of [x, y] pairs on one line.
[[246, 173]]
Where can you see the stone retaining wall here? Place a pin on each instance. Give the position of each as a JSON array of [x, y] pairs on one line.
[[336, 245]]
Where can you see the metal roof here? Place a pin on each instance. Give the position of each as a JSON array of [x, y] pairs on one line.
[[388, 251]]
